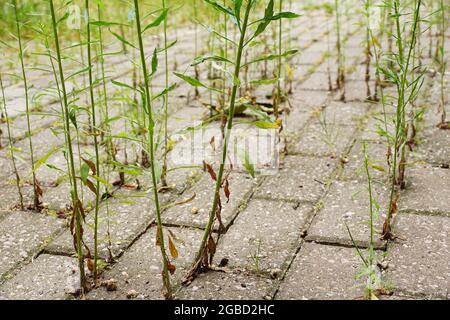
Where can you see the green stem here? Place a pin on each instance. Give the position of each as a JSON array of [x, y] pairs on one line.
[[212, 213], [75, 199], [11, 149], [166, 276], [94, 133], [27, 105], [166, 104]]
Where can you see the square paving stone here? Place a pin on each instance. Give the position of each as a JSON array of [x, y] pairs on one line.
[[323, 139], [241, 186], [59, 198], [9, 196], [22, 235], [305, 100], [228, 286], [339, 113], [347, 202], [130, 213], [427, 190], [46, 278], [419, 260], [260, 239], [316, 82], [299, 179], [354, 169], [375, 125], [139, 269], [323, 272], [434, 146], [356, 90]]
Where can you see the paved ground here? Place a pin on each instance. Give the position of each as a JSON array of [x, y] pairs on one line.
[[286, 235]]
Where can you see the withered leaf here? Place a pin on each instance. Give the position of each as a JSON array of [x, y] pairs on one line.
[[212, 142], [171, 268], [172, 248], [91, 186], [226, 189], [210, 170], [91, 165]]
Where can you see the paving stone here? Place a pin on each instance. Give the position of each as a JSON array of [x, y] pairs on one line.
[[356, 90], [305, 100], [140, 267], [296, 120], [59, 198], [260, 239], [434, 146], [375, 125], [299, 179], [354, 169], [241, 187], [348, 203], [233, 285], [323, 272], [323, 139], [427, 190], [46, 278], [316, 82], [7, 168], [419, 259], [43, 142], [9, 197], [340, 113], [130, 213], [22, 234]]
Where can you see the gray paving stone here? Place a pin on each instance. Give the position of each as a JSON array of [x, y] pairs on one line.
[[434, 146], [376, 125], [348, 203], [419, 260], [59, 198], [306, 100], [316, 82], [323, 272], [260, 239], [427, 190], [323, 139], [228, 286], [46, 278], [339, 113], [22, 235], [130, 213], [139, 269], [299, 179], [354, 169], [9, 197], [241, 186]]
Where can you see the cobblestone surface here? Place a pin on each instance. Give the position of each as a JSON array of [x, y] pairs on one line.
[[286, 235]]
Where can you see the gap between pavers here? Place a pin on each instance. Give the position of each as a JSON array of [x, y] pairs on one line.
[[263, 236]]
